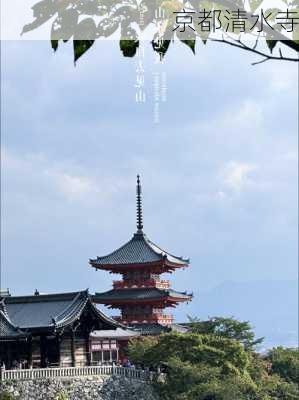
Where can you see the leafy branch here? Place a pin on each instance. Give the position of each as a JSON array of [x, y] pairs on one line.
[[103, 18]]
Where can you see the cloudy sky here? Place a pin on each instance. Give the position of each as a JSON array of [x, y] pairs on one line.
[[219, 171]]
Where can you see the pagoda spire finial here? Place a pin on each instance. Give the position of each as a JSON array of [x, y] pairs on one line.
[[139, 206]]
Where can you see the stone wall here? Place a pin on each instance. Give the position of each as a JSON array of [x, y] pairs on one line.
[[89, 388]]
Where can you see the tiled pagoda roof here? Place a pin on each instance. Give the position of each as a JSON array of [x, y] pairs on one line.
[[139, 250], [141, 294]]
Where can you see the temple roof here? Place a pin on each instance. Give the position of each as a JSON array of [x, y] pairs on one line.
[[118, 333], [116, 295], [157, 329], [51, 310], [139, 250], [7, 329], [151, 329]]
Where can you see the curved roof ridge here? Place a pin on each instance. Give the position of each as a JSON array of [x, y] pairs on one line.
[[151, 243], [3, 309], [185, 293], [73, 313], [69, 311], [107, 318], [7, 319]]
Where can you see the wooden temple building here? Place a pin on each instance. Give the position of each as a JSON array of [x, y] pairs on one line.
[[55, 330], [141, 295]]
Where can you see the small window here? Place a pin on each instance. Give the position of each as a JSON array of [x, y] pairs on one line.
[[106, 356], [97, 356]]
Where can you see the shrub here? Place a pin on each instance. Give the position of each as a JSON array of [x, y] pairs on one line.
[[61, 396], [6, 396]]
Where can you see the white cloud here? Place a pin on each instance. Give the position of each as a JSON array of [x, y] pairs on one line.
[[236, 175], [250, 111], [36, 170], [71, 186], [282, 78]]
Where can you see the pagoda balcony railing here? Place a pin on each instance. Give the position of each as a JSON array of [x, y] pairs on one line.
[[160, 284], [165, 319]]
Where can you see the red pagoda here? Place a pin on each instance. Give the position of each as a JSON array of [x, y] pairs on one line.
[[141, 295]]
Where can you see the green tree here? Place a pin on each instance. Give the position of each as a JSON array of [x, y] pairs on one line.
[[285, 363], [227, 327], [224, 353], [210, 366], [186, 381], [138, 350], [272, 387]]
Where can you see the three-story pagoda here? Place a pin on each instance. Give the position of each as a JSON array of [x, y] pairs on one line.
[[141, 295]]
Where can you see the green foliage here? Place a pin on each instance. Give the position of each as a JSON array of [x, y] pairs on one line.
[[228, 328], [202, 382], [190, 43], [197, 365], [254, 4], [6, 396], [139, 349], [217, 363], [61, 396], [271, 44], [220, 352], [285, 363], [129, 47], [80, 47], [274, 388], [54, 44], [161, 47], [85, 21]]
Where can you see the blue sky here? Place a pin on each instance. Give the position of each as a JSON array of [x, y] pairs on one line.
[[219, 171]]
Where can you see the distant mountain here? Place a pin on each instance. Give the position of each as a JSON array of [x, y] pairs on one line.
[[270, 306]]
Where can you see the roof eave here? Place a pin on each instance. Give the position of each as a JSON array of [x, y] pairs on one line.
[[115, 267], [157, 300], [13, 338], [180, 264], [104, 317]]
